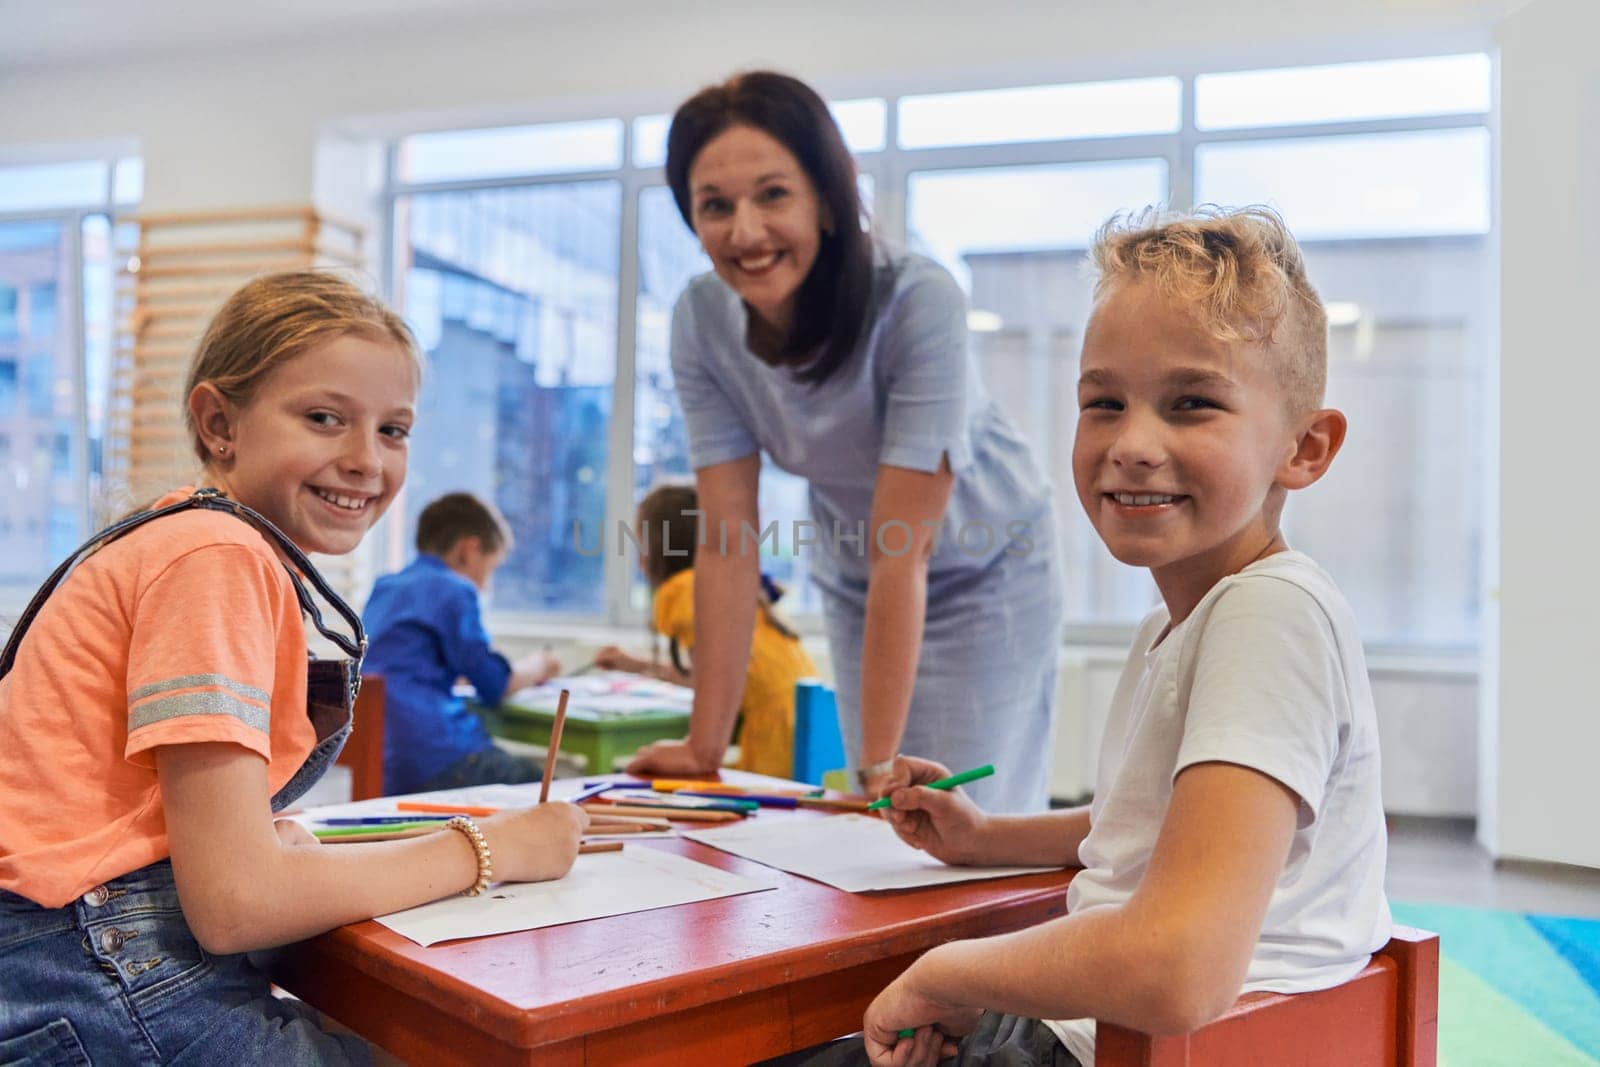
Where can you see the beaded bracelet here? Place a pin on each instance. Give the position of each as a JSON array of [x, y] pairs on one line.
[[480, 848]]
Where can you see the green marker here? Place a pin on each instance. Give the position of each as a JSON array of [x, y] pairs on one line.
[[944, 783], [907, 1033]]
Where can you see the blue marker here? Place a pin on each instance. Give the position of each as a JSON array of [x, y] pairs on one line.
[[754, 799]]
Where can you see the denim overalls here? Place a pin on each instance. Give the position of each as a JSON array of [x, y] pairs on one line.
[[116, 977]]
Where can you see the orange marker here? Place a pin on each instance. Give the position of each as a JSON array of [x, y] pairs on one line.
[[444, 809]]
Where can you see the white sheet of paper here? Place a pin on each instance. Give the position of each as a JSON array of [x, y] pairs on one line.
[[599, 884], [606, 695], [856, 853]]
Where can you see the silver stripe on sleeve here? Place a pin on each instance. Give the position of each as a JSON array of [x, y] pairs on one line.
[[210, 703], [199, 681]]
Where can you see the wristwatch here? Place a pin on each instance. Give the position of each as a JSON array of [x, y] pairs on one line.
[[872, 770]]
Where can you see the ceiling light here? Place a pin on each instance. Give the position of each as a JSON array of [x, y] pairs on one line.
[[981, 321], [1342, 312]]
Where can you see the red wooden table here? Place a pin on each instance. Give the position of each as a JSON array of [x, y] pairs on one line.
[[720, 981]]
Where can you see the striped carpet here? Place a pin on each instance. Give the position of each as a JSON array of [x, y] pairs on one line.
[[1514, 989]]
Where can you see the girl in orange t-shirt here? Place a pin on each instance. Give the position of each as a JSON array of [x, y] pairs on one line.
[[156, 708], [667, 518]]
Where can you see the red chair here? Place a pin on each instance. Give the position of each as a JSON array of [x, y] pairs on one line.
[[1387, 1015], [363, 752]]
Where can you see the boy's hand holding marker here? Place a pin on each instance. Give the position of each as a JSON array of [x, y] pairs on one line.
[[905, 1028], [941, 822]]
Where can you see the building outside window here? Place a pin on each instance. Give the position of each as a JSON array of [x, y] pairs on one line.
[[56, 336]]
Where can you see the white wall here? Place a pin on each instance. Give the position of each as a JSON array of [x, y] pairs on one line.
[[1543, 794], [239, 123]]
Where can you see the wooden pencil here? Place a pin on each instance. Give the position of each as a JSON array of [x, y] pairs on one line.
[[599, 846], [675, 814], [603, 819], [612, 829], [834, 803], [555, 745]]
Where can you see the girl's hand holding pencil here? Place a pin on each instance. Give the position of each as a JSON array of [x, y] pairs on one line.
[[941, 822], [541, 843], [534, 844]]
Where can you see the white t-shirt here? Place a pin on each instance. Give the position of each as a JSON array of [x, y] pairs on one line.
[[1267, 672]]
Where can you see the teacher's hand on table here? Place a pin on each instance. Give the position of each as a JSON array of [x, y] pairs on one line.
[[612, 658], [670, 759], [946, 824], [877, 785]]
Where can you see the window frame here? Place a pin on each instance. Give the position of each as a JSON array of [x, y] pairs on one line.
[[891, 169], [72, 220]]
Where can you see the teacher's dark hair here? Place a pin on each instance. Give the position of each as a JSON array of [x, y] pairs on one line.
[[831, 307]]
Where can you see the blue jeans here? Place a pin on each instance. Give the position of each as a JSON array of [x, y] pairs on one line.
[[999, 1041], [116, 977]]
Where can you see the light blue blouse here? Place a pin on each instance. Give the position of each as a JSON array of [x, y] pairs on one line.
[[909, 395]]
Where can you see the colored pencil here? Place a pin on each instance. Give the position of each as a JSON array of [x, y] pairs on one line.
[[611, 829], [555, 745], [349, 839], [377, 833], [678, 802], [386, 828], [676, 814], [593, 789], [673, 785], [834, 803], [750, 800], [444, 809], [944, 783], [599, 819], [381, 820]]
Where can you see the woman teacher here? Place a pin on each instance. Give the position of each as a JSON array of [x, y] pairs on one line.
[[846, 362]]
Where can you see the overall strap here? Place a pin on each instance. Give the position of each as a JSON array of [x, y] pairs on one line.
[[213, 500]]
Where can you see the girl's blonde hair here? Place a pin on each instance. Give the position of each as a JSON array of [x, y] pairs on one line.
[[1240, 275], [276, 317]]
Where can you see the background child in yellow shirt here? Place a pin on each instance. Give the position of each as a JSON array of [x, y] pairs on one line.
[[668, 537]]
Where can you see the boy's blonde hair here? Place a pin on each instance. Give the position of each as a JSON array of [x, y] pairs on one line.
[[272, 319], [1240, 274]]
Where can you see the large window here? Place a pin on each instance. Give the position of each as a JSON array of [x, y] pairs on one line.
[[513, 293], [541, 265], [56, 337]]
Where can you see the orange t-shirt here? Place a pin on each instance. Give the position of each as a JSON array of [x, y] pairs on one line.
[[186, 629]]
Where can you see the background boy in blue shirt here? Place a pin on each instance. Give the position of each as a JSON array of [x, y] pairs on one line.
[[425, 631]]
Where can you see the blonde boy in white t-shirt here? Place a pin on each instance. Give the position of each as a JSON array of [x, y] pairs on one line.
[[1236, 840]]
